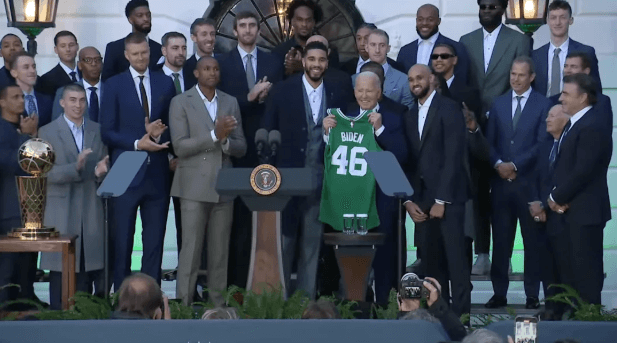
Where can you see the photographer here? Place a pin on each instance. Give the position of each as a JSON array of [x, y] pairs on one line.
[[437, 307]]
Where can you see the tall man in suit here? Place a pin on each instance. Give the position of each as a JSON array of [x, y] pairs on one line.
[[73, 206], [206, 130], [10, 45], [420, 50], [353, 66], [516, 128], [436, 141], [550, 58], [24, 70], [65, 72], [139, 16], [89, 65], [203, 34], [248, 74], [580, 188], [134, 114], [15, 268], [303, 146]]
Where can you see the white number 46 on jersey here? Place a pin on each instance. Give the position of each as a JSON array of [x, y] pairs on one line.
[[357, 165]]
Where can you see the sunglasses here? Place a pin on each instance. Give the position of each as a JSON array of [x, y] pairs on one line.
[[488, 7], [442, 56]]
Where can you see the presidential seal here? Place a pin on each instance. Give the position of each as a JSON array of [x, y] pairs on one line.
[[265, 179]]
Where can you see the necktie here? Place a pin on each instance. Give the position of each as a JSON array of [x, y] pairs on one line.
[[144, 97], [93, 106], [249, 72], [555, 75], [553, 153], [565, 130], [73, 78], [518, 112], [31, 105], [177, 83]]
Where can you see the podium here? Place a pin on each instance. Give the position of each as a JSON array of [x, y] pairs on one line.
[[266, 271]]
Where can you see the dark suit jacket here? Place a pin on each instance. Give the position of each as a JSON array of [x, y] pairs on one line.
[[541, 178], [234, 82], [122, 121], [51, 81], [10, 141], [285, 111], [190, 66], [188, 77], [462, 92], [115, 62], [436, 162], [408, 56], [350, 66], [392, 106], [580, 172], [45, 106], [540, 59], [604, 110], [518, 145], [6, 78]]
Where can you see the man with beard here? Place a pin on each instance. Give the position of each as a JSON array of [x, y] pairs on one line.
[[38, 105], [248, 74], [420, 50], [139, 16], [435, 133], [353, 66], [9, 46], [203, 34], [296, 108], [491, 50], [65, 72]]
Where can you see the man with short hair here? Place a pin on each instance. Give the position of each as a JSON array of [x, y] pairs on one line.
[[420, 50], [66, 71], [72, 205], [39, 105], [203, 34], [139, 297], [139, 16], [10, 44], [353, 66], [174, 51], [550, 58]]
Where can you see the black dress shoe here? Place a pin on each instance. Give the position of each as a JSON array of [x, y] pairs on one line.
[[170, 276], [497, 302], [532, 303]]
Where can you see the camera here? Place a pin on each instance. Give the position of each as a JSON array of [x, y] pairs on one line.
[[411, 286]]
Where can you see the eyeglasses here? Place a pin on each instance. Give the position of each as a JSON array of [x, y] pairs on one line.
[[488, 7], [97, 60], [442, 56]]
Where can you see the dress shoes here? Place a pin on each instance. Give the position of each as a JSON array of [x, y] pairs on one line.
[[482, 265], [170, 275], [497, 302], [532, 303]]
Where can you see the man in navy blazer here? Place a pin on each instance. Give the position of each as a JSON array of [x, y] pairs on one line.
[[550, 58], [24, 70], [296, 107], [515, 130], [134, 117], [203, 34], [580, 189], [10, 44], [139, 16], [419, 51], [66, 71]]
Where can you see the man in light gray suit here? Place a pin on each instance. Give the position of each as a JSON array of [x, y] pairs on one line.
[[396, 82], [73, 206], [205, 125], [90, 64]]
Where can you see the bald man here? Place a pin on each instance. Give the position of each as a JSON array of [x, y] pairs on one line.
[[90, 64], [435, 131]]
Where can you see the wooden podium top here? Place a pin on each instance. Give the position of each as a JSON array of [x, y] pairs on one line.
[[341, 239], [16, 245]]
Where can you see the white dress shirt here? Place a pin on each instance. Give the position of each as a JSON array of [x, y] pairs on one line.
[[489, 42], [167, 71], [211, 108], [424, 49], [423, 112], [136, 80], [77, 131], [87, 86], [450, 80], [254, 59], [68, 71], [562, 57], [360, 63], [314, 96], [523, 102]]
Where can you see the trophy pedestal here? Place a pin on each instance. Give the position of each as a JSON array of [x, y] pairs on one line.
[[44, 233]]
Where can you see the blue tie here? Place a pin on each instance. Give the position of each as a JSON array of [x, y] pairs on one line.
[[93, 107], [31, 105], [73, 78], [553, 153]]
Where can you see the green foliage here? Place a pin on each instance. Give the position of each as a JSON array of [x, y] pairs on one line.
[[344, 308], [267, 305], [392, 309], [583, 311], [86, 307], [180, 311]]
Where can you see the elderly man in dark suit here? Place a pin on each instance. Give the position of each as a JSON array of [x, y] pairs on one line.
[[134, 114], [66, 71], [139, 16], [303, 146], [10, 45], [39, 105], [73, 206], [435, 131]]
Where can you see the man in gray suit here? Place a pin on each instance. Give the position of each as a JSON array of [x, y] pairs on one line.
[[491, 49], [205, 125], [90, 64], [73, 206], [396, 82]]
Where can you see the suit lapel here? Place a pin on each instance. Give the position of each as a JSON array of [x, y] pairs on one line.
[[154, 95], [237, 61], [501, 45], [414, 123], [477, 53], [415, 50], [431, 115], [66, 137], [89, 133], [200, 107], [389, 81], [63, 75], [543, 66]]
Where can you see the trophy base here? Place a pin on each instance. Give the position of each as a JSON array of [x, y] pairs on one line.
[[34, 234]]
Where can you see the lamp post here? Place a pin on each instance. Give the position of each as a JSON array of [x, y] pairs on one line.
[[31, 17], [528, 15]]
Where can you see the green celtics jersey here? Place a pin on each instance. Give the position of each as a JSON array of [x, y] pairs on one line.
[[348, 184]]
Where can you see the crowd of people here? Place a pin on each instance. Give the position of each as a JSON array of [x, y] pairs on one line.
[[489, 132]]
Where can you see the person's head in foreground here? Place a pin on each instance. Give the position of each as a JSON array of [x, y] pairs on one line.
[[140, 296], [220, 314], [483, 336], [321, 310]]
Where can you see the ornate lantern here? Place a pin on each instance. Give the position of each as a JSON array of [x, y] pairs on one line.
[[31, 17], [528, 15]]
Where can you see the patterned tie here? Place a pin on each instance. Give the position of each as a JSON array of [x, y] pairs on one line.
[[177, 83], [249, 72], [555, 82], [73, 78], [31, 105], [93, 106], [553, 153], [518, 112], [144, 98]]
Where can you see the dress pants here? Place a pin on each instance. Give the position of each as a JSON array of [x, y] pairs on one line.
[[213, 220], [240, 248], [586, 259], [483, 208], [510, 205], [555, 269], [16, 268]]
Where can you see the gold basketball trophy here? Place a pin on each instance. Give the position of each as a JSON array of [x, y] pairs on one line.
[[36, 157]]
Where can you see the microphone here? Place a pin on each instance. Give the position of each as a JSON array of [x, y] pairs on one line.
[[275, 139], [261, 140]]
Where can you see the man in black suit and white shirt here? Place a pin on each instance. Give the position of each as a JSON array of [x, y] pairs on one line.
[[203, 33], [10, 45], [65, 72]]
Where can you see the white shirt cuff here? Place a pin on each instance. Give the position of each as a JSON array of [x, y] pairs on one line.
[[550, 197], [498, 162], [213, 136], [225, 145], [135, 145], [379, 131], [441, 202], [515, 169], [325, 137]]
